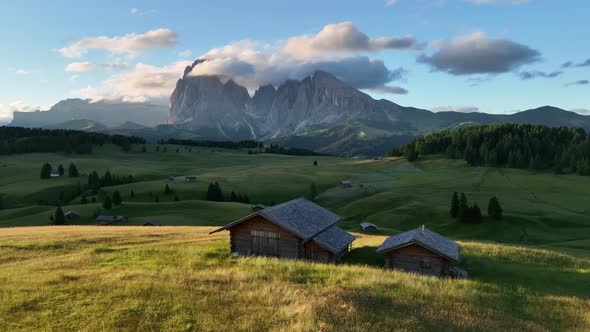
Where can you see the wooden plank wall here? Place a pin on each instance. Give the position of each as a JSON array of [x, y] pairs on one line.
[[409, 259], [240, 242]]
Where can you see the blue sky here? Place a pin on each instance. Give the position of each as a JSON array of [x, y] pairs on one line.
[[496, 56]]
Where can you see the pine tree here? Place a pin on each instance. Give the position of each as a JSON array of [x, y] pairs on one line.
[[59, 218], [494, 209], [132, 193], [315, 162], [313, 191], [61, 170], [233, 197], [157, 199], [117, 198], [454, 205], [176, 199], [1, 202], [73, 171], [46, 171], [143, 148], [107, 204], [84, 200], [107, 179], [463, 212], [166, 189]]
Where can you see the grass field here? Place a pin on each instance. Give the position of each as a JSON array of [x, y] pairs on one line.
[[89, 278], [531, 271]]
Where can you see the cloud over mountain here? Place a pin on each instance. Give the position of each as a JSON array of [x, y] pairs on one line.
[[478, 54]]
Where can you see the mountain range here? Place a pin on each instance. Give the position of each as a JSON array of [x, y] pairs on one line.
[[319, 112]]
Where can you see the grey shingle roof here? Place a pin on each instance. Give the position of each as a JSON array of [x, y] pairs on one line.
[[334, 239], [301, 217], [424, 237]]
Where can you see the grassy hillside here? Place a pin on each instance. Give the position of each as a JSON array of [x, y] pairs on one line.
[[182, 279], [528, 272]]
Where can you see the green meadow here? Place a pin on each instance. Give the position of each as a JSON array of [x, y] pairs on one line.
[[528, 272]]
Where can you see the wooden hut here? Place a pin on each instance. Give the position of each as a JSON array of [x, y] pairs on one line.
[[345, 184], [190, 178], [421, 251], [367, 226], [70, 215], [153, 223], [297, 229]]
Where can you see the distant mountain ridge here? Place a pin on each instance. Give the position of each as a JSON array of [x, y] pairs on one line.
[[107, 113]]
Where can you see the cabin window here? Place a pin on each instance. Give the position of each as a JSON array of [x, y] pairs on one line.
[[265, 243], [426, 263]]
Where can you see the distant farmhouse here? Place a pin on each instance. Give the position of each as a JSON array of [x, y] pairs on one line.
[[190, 178], [109, 220], [54, 174], [297, 229], [153, 223], [345, 184], [421, 251], [367, 226], [70, 215], [258, 207]]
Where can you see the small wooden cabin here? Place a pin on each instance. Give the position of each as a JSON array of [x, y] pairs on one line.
[[345, 184], [367, 226], [297, 229], [70, 215], [190, 178], [153, 223], [420, 251]]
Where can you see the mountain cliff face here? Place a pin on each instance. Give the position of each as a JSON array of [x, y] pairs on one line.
[[207, 103]]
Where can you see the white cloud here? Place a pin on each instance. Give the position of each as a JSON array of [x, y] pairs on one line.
[[80, 67], [142, 83], [460, 109], [74, 77], [476, 53], [16, 106], [390, 2], [21, 72], [343, 37], [129, 44]]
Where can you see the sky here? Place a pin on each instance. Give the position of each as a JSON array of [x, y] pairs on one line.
[[493, 56]]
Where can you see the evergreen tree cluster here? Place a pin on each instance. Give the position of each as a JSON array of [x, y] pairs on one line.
[[95, 182], [277, 149], [509, 145], [215, 194], [15, 140], [246, 144], [465, 213]]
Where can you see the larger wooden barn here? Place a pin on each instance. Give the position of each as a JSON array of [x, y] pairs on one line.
[[421, 251], [297, 229]]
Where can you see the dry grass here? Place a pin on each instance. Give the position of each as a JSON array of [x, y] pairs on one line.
[[87, 278]]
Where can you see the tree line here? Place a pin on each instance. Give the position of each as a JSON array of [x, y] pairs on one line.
[[15, 140], [525, 146], [245, 144]]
